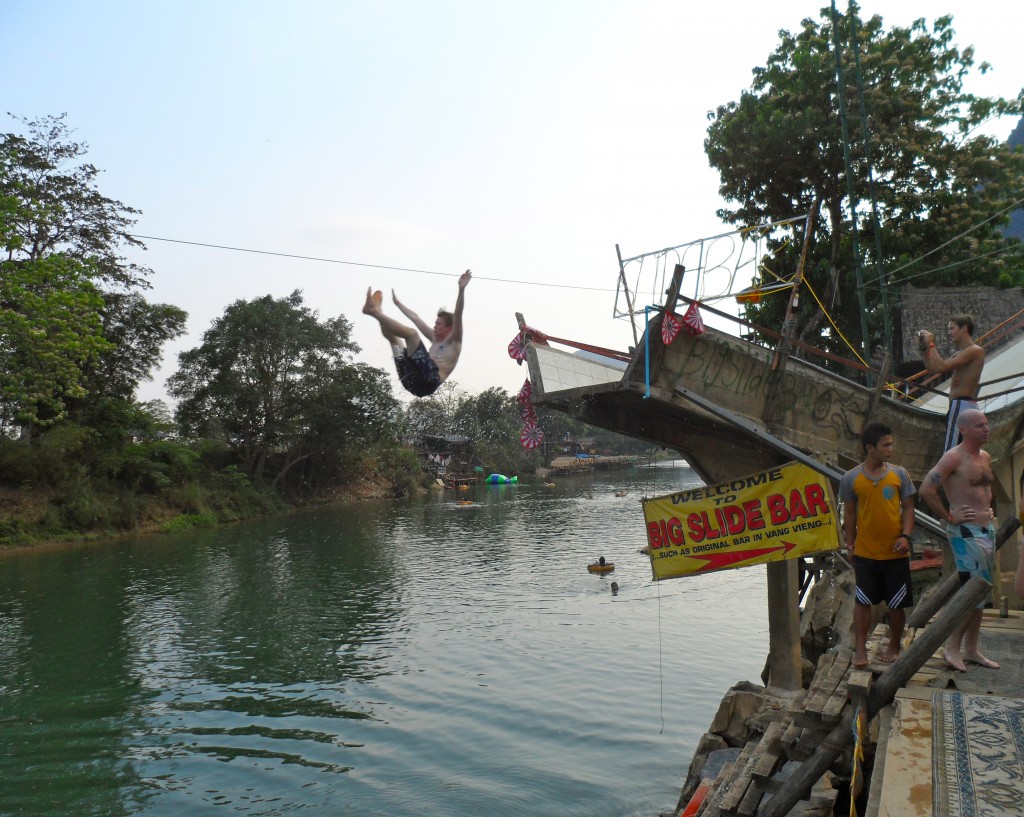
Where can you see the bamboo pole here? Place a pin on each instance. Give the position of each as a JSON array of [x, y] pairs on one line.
[[882, 693]]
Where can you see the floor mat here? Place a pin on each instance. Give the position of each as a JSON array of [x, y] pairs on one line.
[[978, 751]]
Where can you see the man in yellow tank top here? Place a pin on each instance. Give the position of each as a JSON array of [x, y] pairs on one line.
[[878, 518]]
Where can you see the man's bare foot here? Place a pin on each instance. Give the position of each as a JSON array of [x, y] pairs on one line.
[[888, 656], [860, 661], [954, 660], [373, 301], [981, 660]]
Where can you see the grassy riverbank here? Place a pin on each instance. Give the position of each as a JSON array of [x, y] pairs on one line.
[[39, 518]]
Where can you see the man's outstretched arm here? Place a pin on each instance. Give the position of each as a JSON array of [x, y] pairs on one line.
[[460, 304], [426, 331]]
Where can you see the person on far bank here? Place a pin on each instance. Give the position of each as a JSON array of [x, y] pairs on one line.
[[420, 370], [965, 474], [966, 364], [878, 519]]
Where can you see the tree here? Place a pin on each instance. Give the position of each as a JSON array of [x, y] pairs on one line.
[[940, 186], [74, 328], [61, 209], [276, 384], [50, 332], [136, 331]]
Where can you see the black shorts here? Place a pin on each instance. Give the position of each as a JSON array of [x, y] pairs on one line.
[[885, 580], [418, 372]]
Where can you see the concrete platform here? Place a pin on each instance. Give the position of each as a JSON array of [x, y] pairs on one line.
[[901, 783]]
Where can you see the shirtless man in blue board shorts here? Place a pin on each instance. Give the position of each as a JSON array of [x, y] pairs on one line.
[[965, 473], [965, 364], [420, 370]]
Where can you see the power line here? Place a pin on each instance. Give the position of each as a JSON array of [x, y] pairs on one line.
[[362, 264], [953, 240], [953, 264]]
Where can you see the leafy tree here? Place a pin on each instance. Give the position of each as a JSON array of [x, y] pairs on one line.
[[61, 208], [276, 384], [779, 151], [75, 329], [50, 332], [136, 331]]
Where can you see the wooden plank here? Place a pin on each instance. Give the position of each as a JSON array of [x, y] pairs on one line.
[[810, 739], [737, 791], [824, 665], [826, 687], [859, 683], [834, 706], [792, 734], [768, 755], [751, 800], [731, 784]]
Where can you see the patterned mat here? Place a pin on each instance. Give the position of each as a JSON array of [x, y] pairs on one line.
[[978, 751]]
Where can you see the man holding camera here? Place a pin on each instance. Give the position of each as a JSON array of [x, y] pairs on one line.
[[965, 364]]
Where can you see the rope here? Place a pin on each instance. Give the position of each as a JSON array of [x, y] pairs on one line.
[[832, 322]]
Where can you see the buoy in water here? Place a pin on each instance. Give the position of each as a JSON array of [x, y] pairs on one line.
[[601, 566]]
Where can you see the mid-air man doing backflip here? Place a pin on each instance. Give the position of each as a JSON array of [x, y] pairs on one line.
[[421, 370]]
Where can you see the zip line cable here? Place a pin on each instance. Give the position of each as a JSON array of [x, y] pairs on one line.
[[952, 264], [362, 264], [954, 239]]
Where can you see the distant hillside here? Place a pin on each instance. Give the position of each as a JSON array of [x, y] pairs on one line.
[[1016, 225]]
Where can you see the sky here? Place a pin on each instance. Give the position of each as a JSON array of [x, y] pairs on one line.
[[407, 141]]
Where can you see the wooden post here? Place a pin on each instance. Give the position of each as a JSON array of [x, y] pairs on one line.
[[784, 625], [881, 694]]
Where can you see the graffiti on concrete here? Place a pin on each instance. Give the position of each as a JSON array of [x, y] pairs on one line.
[[742, 372]]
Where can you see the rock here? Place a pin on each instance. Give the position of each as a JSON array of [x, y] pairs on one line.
[[739, 703]]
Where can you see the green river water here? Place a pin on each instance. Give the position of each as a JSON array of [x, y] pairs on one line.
[[412, 657]]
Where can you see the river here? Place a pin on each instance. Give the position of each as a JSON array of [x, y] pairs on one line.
[[409, 657]]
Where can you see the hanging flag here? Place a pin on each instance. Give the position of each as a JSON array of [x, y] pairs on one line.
[[692, 321], [531, 436], [526, 392], [517, 349], [670, 326]]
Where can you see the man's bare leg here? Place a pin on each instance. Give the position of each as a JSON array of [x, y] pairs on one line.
[[389, 327], [897, 621], [972, 655], [951, 652]]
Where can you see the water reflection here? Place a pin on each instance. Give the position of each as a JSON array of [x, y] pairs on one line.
[[411, 657]]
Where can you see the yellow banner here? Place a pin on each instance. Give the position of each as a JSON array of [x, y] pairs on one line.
[[783, 513]]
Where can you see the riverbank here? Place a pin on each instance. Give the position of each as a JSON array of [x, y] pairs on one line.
[[28, 519]]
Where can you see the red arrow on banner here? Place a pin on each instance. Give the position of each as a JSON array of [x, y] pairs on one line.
[[716, 561]]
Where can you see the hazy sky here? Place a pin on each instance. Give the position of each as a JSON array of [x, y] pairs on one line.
[[522, 140]]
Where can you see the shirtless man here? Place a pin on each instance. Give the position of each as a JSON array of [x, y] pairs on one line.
[[422, 371], [965, 472], [965, 364]]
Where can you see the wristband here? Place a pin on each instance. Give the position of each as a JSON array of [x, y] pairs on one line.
[[907, 537]]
